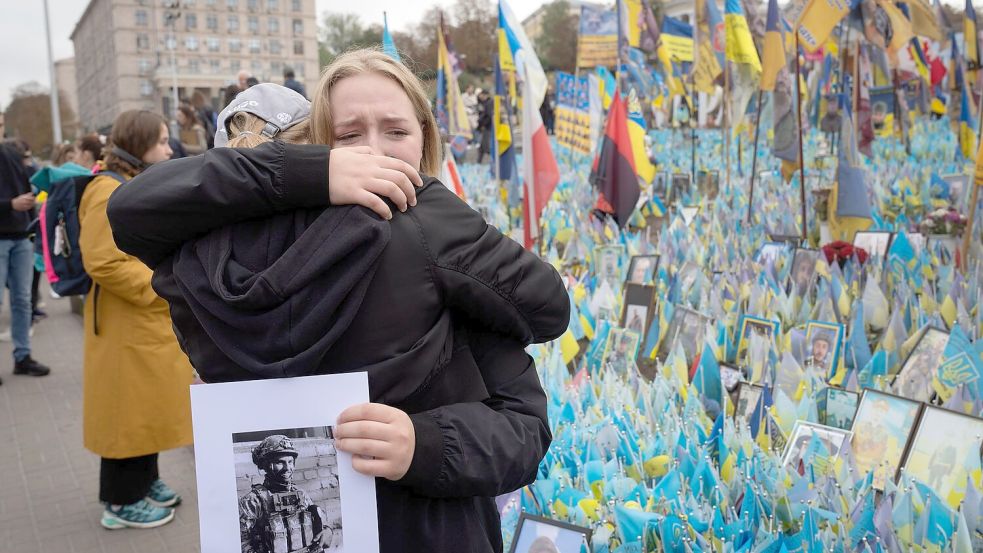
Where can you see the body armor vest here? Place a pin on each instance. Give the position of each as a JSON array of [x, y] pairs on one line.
[[289, 527]]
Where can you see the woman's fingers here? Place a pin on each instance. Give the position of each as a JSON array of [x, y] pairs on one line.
[[363, 429], [403, 167], [401, 180], [365, 448], [388, 189], [373, 202], [381, 468]]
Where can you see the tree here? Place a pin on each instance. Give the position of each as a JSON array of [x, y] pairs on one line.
[[557, 44], [474, 34], [340, 32], [28, 116]]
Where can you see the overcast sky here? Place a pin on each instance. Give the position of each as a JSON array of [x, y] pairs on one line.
[[23, 53]]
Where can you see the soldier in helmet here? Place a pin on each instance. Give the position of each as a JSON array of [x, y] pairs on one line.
[[277, 516]]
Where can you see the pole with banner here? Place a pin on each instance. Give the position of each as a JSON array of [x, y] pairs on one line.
[[973, 207]]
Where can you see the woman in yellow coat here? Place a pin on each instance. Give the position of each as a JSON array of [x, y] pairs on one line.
[[137, 380]]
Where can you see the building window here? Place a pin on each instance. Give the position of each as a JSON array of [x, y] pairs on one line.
[[232, 4], [253, 24], [257, 67], [272, 5], [189, 3], [276, 68], [194, 66], [191, 42], [273, 25], [213, 44], [215, 66], [143, 41], [146, 88], [211, 21], [298, 47], [298, 27], [235, 65], [210, 3], [170, 43], [190, 21], [143, 66], [299, 70], [235, 45], [275, 47], [141, 17], [295, 5], [253, 5], [254, 46], [233, 24]]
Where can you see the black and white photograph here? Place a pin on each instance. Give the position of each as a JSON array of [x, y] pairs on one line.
[[748, 397], [641, 269], [607, 263], [841, 407], [914, 380], [680, 187], [708, 183], [289, 493], [639, 303], [874, 242], [730, 376], [534, 534], [269, 476]]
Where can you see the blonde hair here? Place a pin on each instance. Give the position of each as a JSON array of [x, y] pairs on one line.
[[373, 60], [245, 129]]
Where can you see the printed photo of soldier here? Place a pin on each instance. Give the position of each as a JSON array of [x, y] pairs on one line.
[[289, 497]]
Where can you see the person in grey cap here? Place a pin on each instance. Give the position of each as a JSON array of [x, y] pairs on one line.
[[277, 112]]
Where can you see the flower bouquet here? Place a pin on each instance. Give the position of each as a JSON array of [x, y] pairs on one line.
[[840, 252], [947, 221]]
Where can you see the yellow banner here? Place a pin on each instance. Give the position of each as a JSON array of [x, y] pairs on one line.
[[680, 48], [595, 50], [818, 20]]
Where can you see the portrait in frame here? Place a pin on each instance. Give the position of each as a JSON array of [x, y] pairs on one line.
[[882, 428], [945, 443]]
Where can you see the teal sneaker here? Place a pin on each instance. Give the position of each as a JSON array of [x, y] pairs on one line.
[[136, 515], [162, 495]]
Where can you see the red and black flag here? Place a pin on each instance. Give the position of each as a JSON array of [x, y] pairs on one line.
[[614, 172]]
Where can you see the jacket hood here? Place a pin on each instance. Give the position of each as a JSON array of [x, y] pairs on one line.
[[275, 295]]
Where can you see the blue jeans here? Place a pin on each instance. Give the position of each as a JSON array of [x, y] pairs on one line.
[[16, 269]]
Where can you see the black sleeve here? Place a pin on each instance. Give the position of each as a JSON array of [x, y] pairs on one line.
[[484, 448], [177, 200], [499, 284]]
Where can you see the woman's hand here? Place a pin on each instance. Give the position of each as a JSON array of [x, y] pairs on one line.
[[356, 176], [380, 438]]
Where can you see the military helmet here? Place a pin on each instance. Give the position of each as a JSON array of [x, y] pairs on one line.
[[273, 446]]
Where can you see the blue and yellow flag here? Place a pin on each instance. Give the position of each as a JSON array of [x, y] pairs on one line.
[[971, 38], [773, 53], [967, 127], [504, 152], [817, 21], [452, 116], [388, 46], [740, 45]]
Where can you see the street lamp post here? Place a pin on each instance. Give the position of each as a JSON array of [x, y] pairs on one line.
[[55, 113], [170, 20]]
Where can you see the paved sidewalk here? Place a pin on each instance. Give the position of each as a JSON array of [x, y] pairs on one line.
[[48, 482]]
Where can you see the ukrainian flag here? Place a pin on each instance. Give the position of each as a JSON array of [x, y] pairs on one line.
[[773, 53], [740, 45], [967, 136], [971, 38]]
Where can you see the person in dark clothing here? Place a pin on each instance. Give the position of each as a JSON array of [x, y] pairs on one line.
[[437, 309], [17, 254], [546, 111], [486, 125], [293, 84]]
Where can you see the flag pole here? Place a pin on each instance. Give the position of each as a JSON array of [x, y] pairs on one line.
[[727, 119], [798, 115], [973, 205], [754, 156]]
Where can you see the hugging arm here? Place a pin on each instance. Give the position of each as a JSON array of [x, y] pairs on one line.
[[484, 448]]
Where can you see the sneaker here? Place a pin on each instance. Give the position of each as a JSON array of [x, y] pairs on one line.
[[38, 315], [162, 495], [135, 515], [30, 367]]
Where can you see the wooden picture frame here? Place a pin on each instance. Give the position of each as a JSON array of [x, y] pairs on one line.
[[639, 307], [940, 448], [642, 269], [568, 542]]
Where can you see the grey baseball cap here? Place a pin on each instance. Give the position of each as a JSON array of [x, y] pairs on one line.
[[279, 106]]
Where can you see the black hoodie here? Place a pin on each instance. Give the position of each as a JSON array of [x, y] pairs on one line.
[[334, 290], [13, 182]]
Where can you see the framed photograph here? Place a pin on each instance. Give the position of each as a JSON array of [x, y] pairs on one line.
[[874, 242], [793, 240], [803, 273], [770, 252], [639, 307], [607, 263], [244, 456], [944, 444], [779, 441], [802, 435], [660, 185], [882, 428], [708, 183], [680, 186], [686, 328], [942, 247], [621, 348], [642, 269], [535, 534], [748, 397], [958, 184], [914, 380], [730, 376], [753, 325], [841, 406], [823, 341]]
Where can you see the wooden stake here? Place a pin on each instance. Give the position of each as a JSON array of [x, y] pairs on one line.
[[726, 121], [798, 115], [754, 157], [968, 233]]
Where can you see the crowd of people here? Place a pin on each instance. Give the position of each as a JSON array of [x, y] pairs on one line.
[[143, 212]]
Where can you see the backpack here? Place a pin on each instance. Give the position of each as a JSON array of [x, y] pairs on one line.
[[59, 222]]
